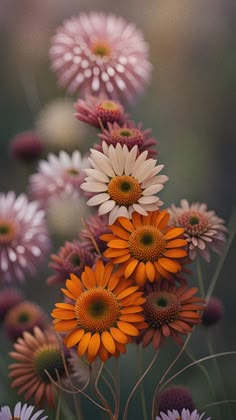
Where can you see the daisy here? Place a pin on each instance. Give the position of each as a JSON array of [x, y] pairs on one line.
[[71, 258], [183, 415], [105, 315], [130, 134], [203, 229], [24, 240], [21, 412], [99, 111], [169, 311], [34, 354], [99, 54], [58, 177], [145, 247], [122, 183]]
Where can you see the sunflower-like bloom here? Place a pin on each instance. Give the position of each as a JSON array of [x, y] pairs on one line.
[[24, 239], [71, 258], [105, 315], [59, 176], [99, 111], [123, 182], [203, 229], [21, 412], [183, 415], [130, 134], [145, 247], [100, 54], [34, 354], [169, 311]]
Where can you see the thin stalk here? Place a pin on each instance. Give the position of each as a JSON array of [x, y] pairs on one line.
[[142, 394], [203, 359], [137, 384], [154, 401], [117, 387], [232, 230], [58, 410], [100, 396], [217, 403]]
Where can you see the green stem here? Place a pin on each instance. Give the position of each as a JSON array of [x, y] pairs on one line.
[[142, 394], [58, 410]]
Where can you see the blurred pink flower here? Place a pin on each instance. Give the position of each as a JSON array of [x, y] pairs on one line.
[[24, 237], [204, 230], [26, 146], [98, 54]]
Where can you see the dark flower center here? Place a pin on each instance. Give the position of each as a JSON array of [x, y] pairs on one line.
[[4, 229], [75, 260], [48, 359], [23, 317], [126, 133], [194, 220]]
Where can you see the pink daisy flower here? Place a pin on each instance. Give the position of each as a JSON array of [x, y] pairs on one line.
[[98, 54], [99, 111], [21, 412], [24, 240], [204, 230], [95, 227], [130, 134], [58, 176], [26, 146], [183, 415]]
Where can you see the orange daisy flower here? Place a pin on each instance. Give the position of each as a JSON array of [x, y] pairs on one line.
[[105, 315], [145, 247], [169, 311]]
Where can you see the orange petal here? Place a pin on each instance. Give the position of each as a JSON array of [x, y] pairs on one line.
[[131, 309], [169, 265], [189, 314], [113, 253], [120, 260], [83, 344], [156, 339], [175, 253], [68, 294], [63, 326], [73, 337], [123, 234], [103, 353], [108, 342], [134, 299], [132, 318], [99, 272], [128, 291], [118, 243], [188, 294], [161, 270], [150, 271], [107, 237], [126, 223], [136, 219], [148, 337], [140, 275], [165, 330], [119, 335], [113, 282], [63, 314], [162, 219], [127, 328], [176, 243], [107, 274], [130, 268], [74, 288], [65, 306], [173, 233], [93, 347]]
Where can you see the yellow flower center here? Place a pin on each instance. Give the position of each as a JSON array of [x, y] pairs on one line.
[[97, 310], [48, 358], [8, 230], [72, 172], [101, 48], [161, 308], [124, 190], [147, 243], [109, 106]]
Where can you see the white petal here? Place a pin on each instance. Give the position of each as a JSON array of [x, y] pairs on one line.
[[148, 199], [97, 175], [106, 207], [113, 215], [139, 209], [130, 160], [138, 162], [98, 199], [153, 189], [154, 180], [117, 159], [93, 186], [145, 169]]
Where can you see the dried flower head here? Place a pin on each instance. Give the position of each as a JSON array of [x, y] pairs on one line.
[[9, 297], [98, 54], [105, 314], [185, 414], [175, 397], [145, 247], [35, 354], [58, 176], [169, 311], [99, 111], [213, 312], [71, 258], [26, 146], [122, 182], [21, 412], [129, 134], [95, 226], [203, 229], [24, 317], [24, 240]]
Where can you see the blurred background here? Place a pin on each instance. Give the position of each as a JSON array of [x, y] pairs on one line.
[[189, 104]]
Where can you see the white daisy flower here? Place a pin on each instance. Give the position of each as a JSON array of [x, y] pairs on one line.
[[123, 181], [58, 176], [21, 412], [185, 415]]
